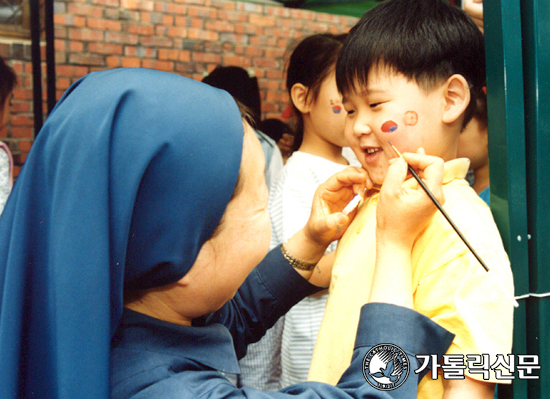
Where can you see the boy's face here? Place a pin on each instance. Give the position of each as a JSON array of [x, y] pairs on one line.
[[392, 108]]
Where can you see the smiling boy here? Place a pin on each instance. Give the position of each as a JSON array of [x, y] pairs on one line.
[[410, 72]]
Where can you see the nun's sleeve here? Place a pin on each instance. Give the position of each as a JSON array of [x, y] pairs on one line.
[[270, 290]]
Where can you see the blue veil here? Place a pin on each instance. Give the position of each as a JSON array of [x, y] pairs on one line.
[[127, 179]]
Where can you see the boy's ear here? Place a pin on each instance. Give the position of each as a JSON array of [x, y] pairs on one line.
[[456, 96], [298, 94]]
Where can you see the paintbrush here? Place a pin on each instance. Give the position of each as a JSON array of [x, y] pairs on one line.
[[353, 203], [453, 225]]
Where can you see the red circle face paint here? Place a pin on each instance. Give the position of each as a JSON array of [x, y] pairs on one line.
[[336, 109], [410, 118], [389, 127]]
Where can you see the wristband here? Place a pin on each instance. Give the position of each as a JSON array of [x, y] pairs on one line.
[[295, 263]]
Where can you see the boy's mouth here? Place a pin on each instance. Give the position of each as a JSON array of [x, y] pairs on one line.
[[371, 153]]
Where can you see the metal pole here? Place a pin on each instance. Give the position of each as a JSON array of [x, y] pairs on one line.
[[50, 53], [36, 65]]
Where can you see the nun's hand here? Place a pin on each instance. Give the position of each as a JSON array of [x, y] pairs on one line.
[[327, 222]]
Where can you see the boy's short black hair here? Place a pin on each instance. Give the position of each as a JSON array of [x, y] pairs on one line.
[[425, 40]]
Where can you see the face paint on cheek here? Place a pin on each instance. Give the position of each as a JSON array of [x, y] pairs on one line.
[[336, 109], [389, 127], [410, 118]]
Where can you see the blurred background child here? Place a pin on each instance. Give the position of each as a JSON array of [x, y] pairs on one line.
[[7, 83], [244, 88], [318, 142]]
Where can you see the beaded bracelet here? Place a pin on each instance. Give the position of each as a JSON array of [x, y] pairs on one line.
[[296, 263]]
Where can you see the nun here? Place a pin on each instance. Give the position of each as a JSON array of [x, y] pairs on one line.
[[134, 251]]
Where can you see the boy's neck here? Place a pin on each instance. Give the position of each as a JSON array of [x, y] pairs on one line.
[[315, 145]]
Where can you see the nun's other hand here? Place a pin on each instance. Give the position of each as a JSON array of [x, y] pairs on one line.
[[327, 222]]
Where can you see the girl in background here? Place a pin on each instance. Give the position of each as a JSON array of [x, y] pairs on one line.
[[283, 356], [7, 83]]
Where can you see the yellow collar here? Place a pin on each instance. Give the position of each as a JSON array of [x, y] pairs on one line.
[[453, 169]]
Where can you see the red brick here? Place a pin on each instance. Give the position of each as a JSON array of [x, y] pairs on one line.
[[105, 48], [232, 16], [121, 38], [22, 132], [20, 106], [86, 35], [262, 20], [184, 56], [176, 32], [202, 12], [156, 41], [219, 26], [80, 71], [176, 9], [160, 65], [206, 57], [168, 19], [203, 34], [84, 9], [25, 145], [229, 59], [131, 62], [76, 46], [104, 24], [281, 12], [145, 30], [168, 54], [113, 62], [62, 83], [87, 59]]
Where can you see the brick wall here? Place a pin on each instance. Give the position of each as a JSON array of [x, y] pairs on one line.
[[188, 37]]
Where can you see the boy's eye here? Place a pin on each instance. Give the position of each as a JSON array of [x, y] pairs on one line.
[[374, 105]]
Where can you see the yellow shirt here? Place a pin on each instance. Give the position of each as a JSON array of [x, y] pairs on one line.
[[449, 284]]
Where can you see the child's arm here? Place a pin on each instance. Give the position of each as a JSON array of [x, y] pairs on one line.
[[323, 271], [468, 388]]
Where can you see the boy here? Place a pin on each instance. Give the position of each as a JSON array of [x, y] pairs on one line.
[[410, 72]]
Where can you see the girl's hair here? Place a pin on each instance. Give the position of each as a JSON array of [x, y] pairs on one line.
[[7, 81], [311, 62]]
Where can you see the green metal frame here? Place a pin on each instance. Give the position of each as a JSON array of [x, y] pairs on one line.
[[518, 71]]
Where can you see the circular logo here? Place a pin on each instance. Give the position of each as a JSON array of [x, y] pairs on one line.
[[386, 367]]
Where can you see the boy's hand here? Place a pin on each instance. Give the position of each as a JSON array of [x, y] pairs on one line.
[[402, 213]]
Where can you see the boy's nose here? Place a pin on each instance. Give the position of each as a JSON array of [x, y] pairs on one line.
[[361, 127]]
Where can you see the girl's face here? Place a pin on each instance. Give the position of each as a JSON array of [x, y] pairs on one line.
[[327, 116]]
